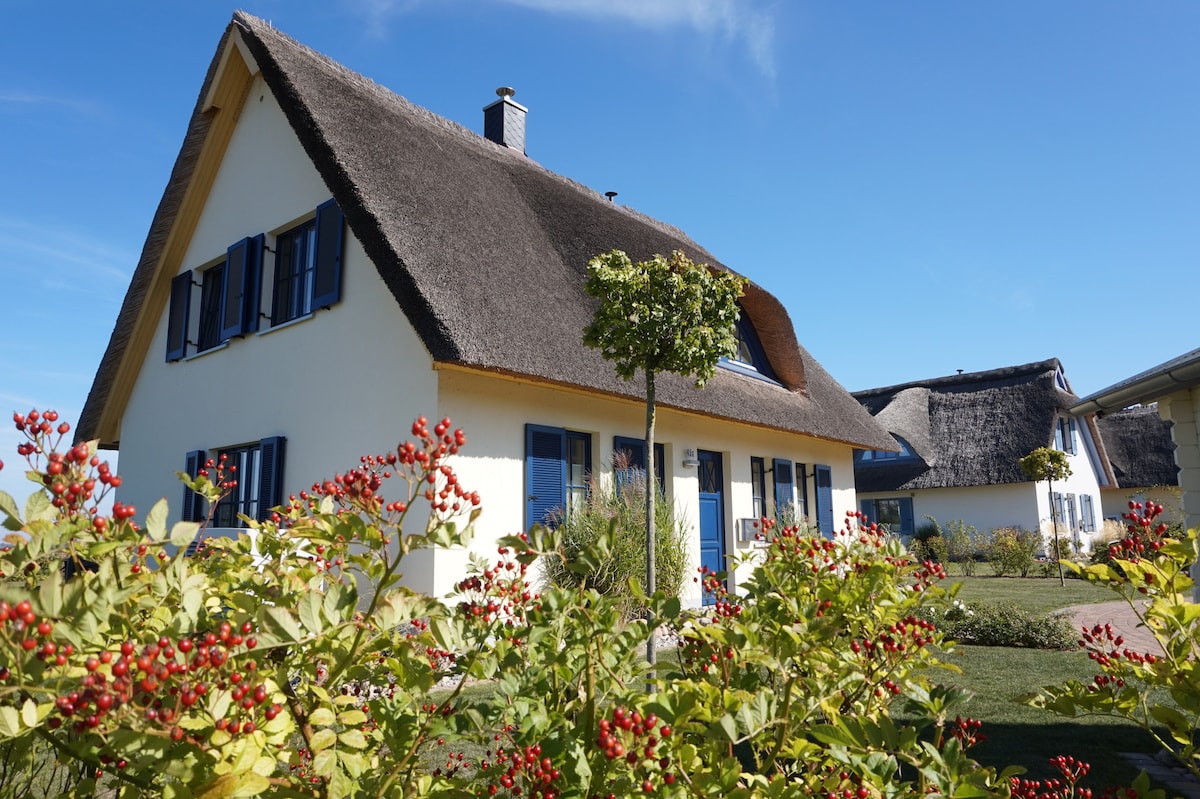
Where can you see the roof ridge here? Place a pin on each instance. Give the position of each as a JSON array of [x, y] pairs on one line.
[[966, 378]]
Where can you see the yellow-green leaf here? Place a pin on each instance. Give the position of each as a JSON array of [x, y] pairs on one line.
[[353, 739], [156, 521], [323, 739], [10, 722], [321, 717], [184, 533], [234, 786], [352, 717]]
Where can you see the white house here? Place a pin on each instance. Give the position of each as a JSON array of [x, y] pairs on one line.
[[961, 438], [330, 261], [1175, 386]]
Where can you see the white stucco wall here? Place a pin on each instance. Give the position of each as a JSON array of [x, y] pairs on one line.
[[494, 412], [1183, 408], [344, 382], [983, 507]]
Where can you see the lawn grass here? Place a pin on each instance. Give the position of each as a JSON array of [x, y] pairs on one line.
[[1034, 594], [1027, 736]]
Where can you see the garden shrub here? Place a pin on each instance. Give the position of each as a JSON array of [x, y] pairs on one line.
[[1010, 550], [297, 664], [961, 545], [933, 548], [1005, 624], [617, 514]]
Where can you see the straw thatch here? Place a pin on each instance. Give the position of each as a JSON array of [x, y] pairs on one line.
[[966, 429], [1140, 448], [486, 251]]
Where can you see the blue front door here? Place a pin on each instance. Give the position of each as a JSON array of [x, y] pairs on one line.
[[712, 514]]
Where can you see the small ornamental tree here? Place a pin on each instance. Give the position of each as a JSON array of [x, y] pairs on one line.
[[1048, 464], [661, 315]]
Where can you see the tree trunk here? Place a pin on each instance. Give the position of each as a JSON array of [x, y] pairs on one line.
[[651, 496], [1054, 526]]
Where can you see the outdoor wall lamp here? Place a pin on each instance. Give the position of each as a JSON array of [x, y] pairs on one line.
[[690, 461]]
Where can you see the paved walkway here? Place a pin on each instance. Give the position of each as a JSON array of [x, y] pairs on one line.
[[1161, 767]]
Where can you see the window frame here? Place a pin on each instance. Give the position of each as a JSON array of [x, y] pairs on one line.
[[758, 489], [905, 518], [309, 258], [209, 318], [261, 493]]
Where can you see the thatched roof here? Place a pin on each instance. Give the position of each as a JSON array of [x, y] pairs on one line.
[[966, 429], [1139, 446], [483, 249]]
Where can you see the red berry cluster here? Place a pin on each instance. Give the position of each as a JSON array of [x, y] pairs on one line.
[[1105, 647], [967, 731], [1144, 534], [76, 479], [22, 631], [1063, 787], [419, 463], [502, 593], [633, 739], [162, 681], [520, 773]]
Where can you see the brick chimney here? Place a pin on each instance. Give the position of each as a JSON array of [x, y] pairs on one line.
[[504, 120]]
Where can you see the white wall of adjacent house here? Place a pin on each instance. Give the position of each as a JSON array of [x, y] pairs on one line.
[[983, 507], [1183, 408], [494, 411], [339, 383], [1083, 481]]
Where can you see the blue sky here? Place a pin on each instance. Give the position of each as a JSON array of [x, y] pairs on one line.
[[927, 186]]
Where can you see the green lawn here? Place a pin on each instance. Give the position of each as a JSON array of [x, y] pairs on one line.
[[1021, 735], [1035, 594]]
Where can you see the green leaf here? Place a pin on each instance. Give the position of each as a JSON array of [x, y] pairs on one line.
[[279, 623], [728, 726], [235, 786], [353, 739], [323, 739], [10, 722], [9, 506], [29, 713], [310, 612], [352, 717], [321, 717], [183, 533], [156, 522], [50, 595]]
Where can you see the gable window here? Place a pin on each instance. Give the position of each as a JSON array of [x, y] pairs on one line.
[[1064, 435], [758, 480], [749, 358], [862, 455], [256, 468], [209, 333], [308, 266], [558, 464], [895, 512]]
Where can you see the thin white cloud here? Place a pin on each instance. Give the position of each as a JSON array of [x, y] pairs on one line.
[[19, 98], [747, 21], [55, 252]]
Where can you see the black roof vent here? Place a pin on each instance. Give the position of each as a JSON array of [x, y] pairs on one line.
[[504, 120]]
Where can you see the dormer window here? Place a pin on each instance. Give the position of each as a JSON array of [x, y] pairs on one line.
[[749, 357], [878, 455], [1065, 431]]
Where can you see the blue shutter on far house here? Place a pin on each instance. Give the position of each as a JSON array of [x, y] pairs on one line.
[[239, 295], [867, 506], [823, 477], [177, 316], [785, 495], [906, 516], [270, 491], [545, 474], [327, 274], [193, 503]]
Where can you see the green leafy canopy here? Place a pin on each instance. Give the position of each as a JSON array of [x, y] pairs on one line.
[[1045, 463], [664, 314]]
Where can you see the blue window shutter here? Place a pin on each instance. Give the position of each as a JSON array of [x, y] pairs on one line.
[[233, 291], [1088, 511], [193, 503], [177, 315], [327, 278], [867, 506], [906, 516], [824, 480], [252, 292], [781, 473], [545, 474], [270, 491]]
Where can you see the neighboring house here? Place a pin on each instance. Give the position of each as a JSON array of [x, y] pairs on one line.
[[1142, 455], [961, 439], [1175, 386], [329, 261]]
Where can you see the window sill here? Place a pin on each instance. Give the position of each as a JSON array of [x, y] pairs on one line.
[[289, 323], [747, 370], [209, 351]]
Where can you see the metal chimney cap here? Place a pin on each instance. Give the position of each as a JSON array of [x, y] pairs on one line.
[[610, 195], [505, 91]]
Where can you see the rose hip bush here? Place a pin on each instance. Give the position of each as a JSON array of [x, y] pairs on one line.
[[1159, 689], [295, 663]]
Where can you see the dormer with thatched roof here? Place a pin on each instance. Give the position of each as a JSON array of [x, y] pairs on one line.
[[329, 261]]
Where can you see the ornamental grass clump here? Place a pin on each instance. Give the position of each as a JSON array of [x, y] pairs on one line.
[[604, 542]]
